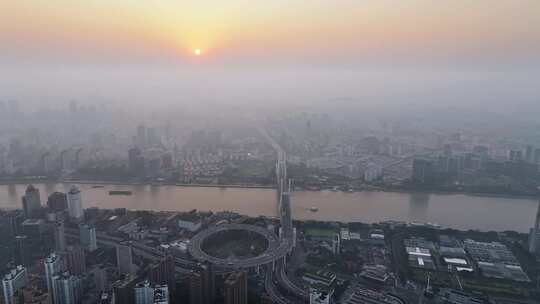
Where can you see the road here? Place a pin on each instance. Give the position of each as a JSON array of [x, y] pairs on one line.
[[289, 285], [182, 266], [272, 291], [276, 250]]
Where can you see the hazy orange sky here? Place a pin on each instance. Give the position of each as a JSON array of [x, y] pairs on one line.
[[368, 52], [274, 30]]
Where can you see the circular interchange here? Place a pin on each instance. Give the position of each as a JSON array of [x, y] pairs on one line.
[[237, 246]]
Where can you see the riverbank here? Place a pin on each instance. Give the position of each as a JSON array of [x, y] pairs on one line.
[[474, 194], [246, 186], [124, 183], [255, 186]]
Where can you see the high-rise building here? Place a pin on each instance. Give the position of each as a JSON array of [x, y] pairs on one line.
[[75, 260], [161, 294], [163, 272], [536, 156], [166, 161], [13, 281], [57, 201], [181, 295], [140, 139], [202, 285], [136, 160], [80, 158], [88, 237], [21, 253], [107, 297], [152, 138], [266, 299], [14, 221], [74, 201], [59, 236], [53, 266], [422, 170], [34, 228], [100, 278], [534, 235], [123, 290], [31, 202], [515, 155], [319, 297], [67, 289], [124, 258], [529, 153], [336, 244], [235, 288], [46, 163], [146, 293], [66, 160]]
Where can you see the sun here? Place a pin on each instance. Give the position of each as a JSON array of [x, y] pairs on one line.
[[197, 52]]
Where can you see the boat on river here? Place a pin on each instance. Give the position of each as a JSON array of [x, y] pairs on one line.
[[120, 192]]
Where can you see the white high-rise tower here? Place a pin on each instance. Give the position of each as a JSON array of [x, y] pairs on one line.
[[74, 201], [16, 279], [88, 238], [53, 265]]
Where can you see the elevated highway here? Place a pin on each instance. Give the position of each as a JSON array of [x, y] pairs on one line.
[[181, 265], [287, 237], [276, 250]]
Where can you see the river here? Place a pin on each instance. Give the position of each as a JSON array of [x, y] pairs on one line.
[[449, 210]]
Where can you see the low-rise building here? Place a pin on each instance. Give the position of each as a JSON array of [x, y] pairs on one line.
[[376, 273], [419, 253], [189, 221], [363, 295], [454, 256], [451, 296], [420, 258], [495, 260], [320, 278], [376, 237]]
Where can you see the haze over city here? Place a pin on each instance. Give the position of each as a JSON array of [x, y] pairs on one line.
[[235, 152]]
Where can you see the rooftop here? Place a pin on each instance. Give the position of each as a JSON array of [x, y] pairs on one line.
[[33, 222], [189, 217], [363, 295], [458, 297], [14, 272]]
